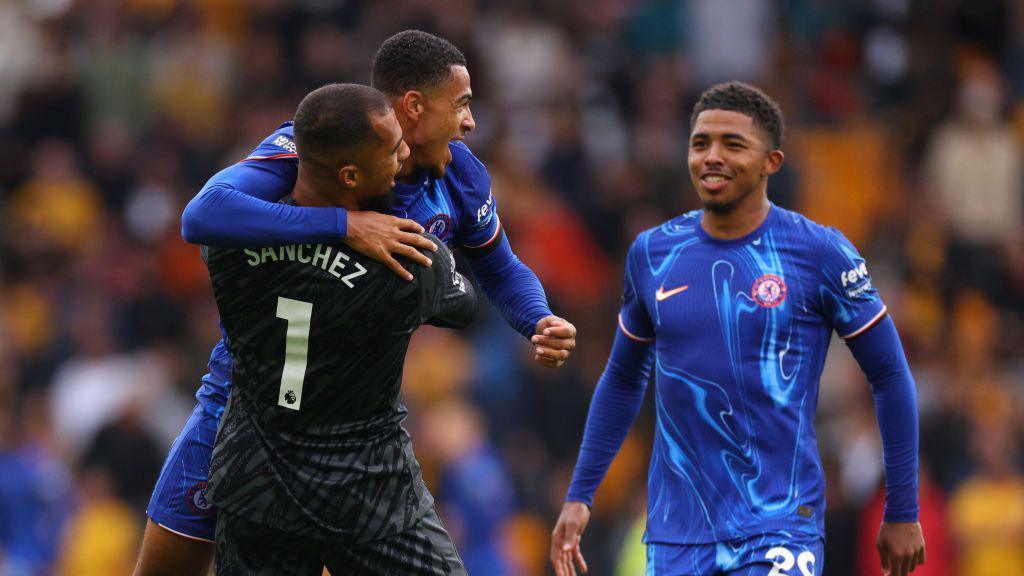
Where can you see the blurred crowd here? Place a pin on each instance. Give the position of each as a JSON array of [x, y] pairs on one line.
[[905, 130]]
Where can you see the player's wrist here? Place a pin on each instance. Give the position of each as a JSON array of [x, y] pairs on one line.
[[343, 230], [907, 516]]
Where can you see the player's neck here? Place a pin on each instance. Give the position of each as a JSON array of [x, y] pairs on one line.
[[740, 221], [408, 174], [310, 193]]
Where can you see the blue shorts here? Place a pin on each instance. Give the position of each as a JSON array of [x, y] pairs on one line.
[[179, 501], [776, 554]]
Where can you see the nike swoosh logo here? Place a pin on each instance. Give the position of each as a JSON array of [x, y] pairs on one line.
[[661, 294]]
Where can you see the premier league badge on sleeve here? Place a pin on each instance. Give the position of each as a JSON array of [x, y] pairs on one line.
[[769, 291]]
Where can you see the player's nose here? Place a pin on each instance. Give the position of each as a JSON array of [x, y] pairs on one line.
[[403, 152], [713, 156], [468, 123]]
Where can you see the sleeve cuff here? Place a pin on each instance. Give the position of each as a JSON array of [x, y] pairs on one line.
[[342, 223], [910, 515]]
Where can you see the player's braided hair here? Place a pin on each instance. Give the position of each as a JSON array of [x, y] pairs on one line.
[[745, 99], [334, 120], [413, 60]]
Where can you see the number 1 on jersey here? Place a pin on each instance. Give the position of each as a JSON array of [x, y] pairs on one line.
[[296, 350]]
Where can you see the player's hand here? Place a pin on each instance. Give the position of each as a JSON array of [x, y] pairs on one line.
[[383, 237], [565, 539], [900, 547], [554, 340]]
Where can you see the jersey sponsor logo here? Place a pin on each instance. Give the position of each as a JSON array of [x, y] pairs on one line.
[[854, 276], [197, 501], [769, 291], [285, 142], [440, 225], [663, 294], [483, 212]]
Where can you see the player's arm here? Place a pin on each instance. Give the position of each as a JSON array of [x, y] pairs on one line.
[[509, 284], [239, 207], [880, 355], [613, 409], [853, 308], [447, 299], [517, 293]]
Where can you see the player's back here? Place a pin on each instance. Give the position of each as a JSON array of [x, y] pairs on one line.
[[311, 439]]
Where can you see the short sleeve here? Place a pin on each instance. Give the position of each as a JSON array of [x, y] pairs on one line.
[[849, 301], [634, 321]]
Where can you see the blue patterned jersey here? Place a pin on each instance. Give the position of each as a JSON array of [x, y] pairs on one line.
[[457, 208], [740, 330]]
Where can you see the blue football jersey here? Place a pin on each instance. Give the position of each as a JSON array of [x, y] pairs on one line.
[[740, 329], [457, 208]]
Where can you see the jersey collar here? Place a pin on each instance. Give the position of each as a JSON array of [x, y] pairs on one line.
[[761, 229]]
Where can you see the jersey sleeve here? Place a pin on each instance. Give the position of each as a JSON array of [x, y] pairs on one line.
[[848, 299], [478, 224], [634, 321], [238, 206], [447, 299]]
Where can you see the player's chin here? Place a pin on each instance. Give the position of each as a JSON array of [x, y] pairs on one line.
[[715, 201]]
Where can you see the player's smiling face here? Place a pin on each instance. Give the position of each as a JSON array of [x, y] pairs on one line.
[[730, 159], [445, 117]]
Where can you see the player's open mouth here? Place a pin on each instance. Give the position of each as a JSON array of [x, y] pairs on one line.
[[715, 181]]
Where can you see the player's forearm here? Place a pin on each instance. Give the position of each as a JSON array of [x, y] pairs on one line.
[[223, 216], [880, 355], [512, 287], [613, 409]]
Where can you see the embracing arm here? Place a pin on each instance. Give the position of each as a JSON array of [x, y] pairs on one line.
[[238, 208]]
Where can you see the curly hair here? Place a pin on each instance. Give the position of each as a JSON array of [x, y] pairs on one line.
[[745, 99], [413, 60]]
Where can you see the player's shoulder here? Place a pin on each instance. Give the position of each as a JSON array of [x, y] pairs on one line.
[[466, 171], [279, 144], [805, 231], [672, 231], [656, 242]]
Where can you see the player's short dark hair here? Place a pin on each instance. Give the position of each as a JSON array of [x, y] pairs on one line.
[[745, 99], [413, 60], [334, 121]]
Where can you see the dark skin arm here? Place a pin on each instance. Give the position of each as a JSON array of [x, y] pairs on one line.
[[384, 237]]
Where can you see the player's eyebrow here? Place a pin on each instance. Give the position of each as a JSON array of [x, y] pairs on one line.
[[734, 136], [724, 136]]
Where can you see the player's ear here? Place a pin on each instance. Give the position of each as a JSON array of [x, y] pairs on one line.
[[349, 176], [773, 162], [412, 104]]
